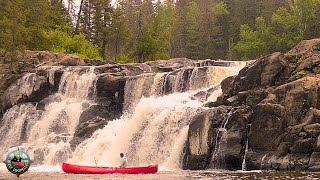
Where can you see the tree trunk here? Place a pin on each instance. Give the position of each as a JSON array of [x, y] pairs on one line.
[[77, 31]]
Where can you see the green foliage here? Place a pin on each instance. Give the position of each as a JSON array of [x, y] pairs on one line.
[[254, 43], [192, 30], [153, 43], [292, 58], [146, 47], [294, 24], [125, 59], [64, 43], [220, 9], [287, 26], [299, 74], [143, 30], [23, 24]]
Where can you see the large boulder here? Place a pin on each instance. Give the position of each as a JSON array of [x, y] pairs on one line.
[[216, 138], [266, 72], [30, 88]]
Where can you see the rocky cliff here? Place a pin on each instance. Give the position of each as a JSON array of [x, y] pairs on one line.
[[267, 118], [38, 76]]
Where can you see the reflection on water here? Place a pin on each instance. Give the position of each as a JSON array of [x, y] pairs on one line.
[[35, 174]]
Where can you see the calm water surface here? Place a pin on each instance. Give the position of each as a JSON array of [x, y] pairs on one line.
[[166, 175]]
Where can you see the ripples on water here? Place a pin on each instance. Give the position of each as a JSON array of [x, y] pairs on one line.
[[35, 174]]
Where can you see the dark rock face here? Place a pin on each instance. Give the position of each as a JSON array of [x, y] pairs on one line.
[[110, 92], [30, 88], [282, 125], [216, 138]]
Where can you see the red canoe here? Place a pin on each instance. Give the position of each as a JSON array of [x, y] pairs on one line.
[[76, 169]]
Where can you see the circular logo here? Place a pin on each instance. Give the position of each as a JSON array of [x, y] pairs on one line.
[[18, 162]]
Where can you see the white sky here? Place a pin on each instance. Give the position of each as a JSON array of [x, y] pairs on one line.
[[77, 3]]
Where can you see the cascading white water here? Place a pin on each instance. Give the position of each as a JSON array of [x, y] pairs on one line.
[[153, 131], [244, 165], [156, 128], [50, 131], [25, 86], [147, 136], [200, 78]]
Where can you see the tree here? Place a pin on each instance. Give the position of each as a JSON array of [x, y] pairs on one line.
[[254, 43], [120, 33], [186, 30], [292, 25], [12, 29]]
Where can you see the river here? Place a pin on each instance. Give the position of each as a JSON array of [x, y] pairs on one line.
[[36, 174]]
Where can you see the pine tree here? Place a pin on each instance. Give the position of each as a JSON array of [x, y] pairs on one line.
[[120, 34]]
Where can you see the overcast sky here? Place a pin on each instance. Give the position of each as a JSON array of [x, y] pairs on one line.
[[77, 2]]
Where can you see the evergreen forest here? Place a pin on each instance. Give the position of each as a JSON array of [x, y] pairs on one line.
[[144, 30]]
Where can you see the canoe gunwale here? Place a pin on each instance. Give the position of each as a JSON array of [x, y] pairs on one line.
[[77, 169]]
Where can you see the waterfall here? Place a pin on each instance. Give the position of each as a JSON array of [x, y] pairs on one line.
[[155, 129], [188, 79], [154, 134], [24, 87], [243, 165], [47, 133], [152, 130]]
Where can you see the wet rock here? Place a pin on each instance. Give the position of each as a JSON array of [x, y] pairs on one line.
[[263, 73], [226, 143], [303, 146], [211, 104], [284, 126], [29, 88], [232, 101], [50, 99], [314, 163], [316, 146], [309, 64], [227, 84], [267, 125], [201, 131], [313, 130], [200, 96]]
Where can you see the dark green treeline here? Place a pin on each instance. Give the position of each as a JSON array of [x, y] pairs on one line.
[[144, 30]]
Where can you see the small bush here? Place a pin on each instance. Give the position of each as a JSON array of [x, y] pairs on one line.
[[62, 42]]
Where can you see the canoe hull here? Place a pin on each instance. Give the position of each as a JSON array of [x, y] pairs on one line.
[[76, 169]]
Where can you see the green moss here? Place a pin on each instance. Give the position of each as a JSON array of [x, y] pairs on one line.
[[292, 58], [299, 74]]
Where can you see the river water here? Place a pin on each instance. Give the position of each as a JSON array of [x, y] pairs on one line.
[[165, 175]]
